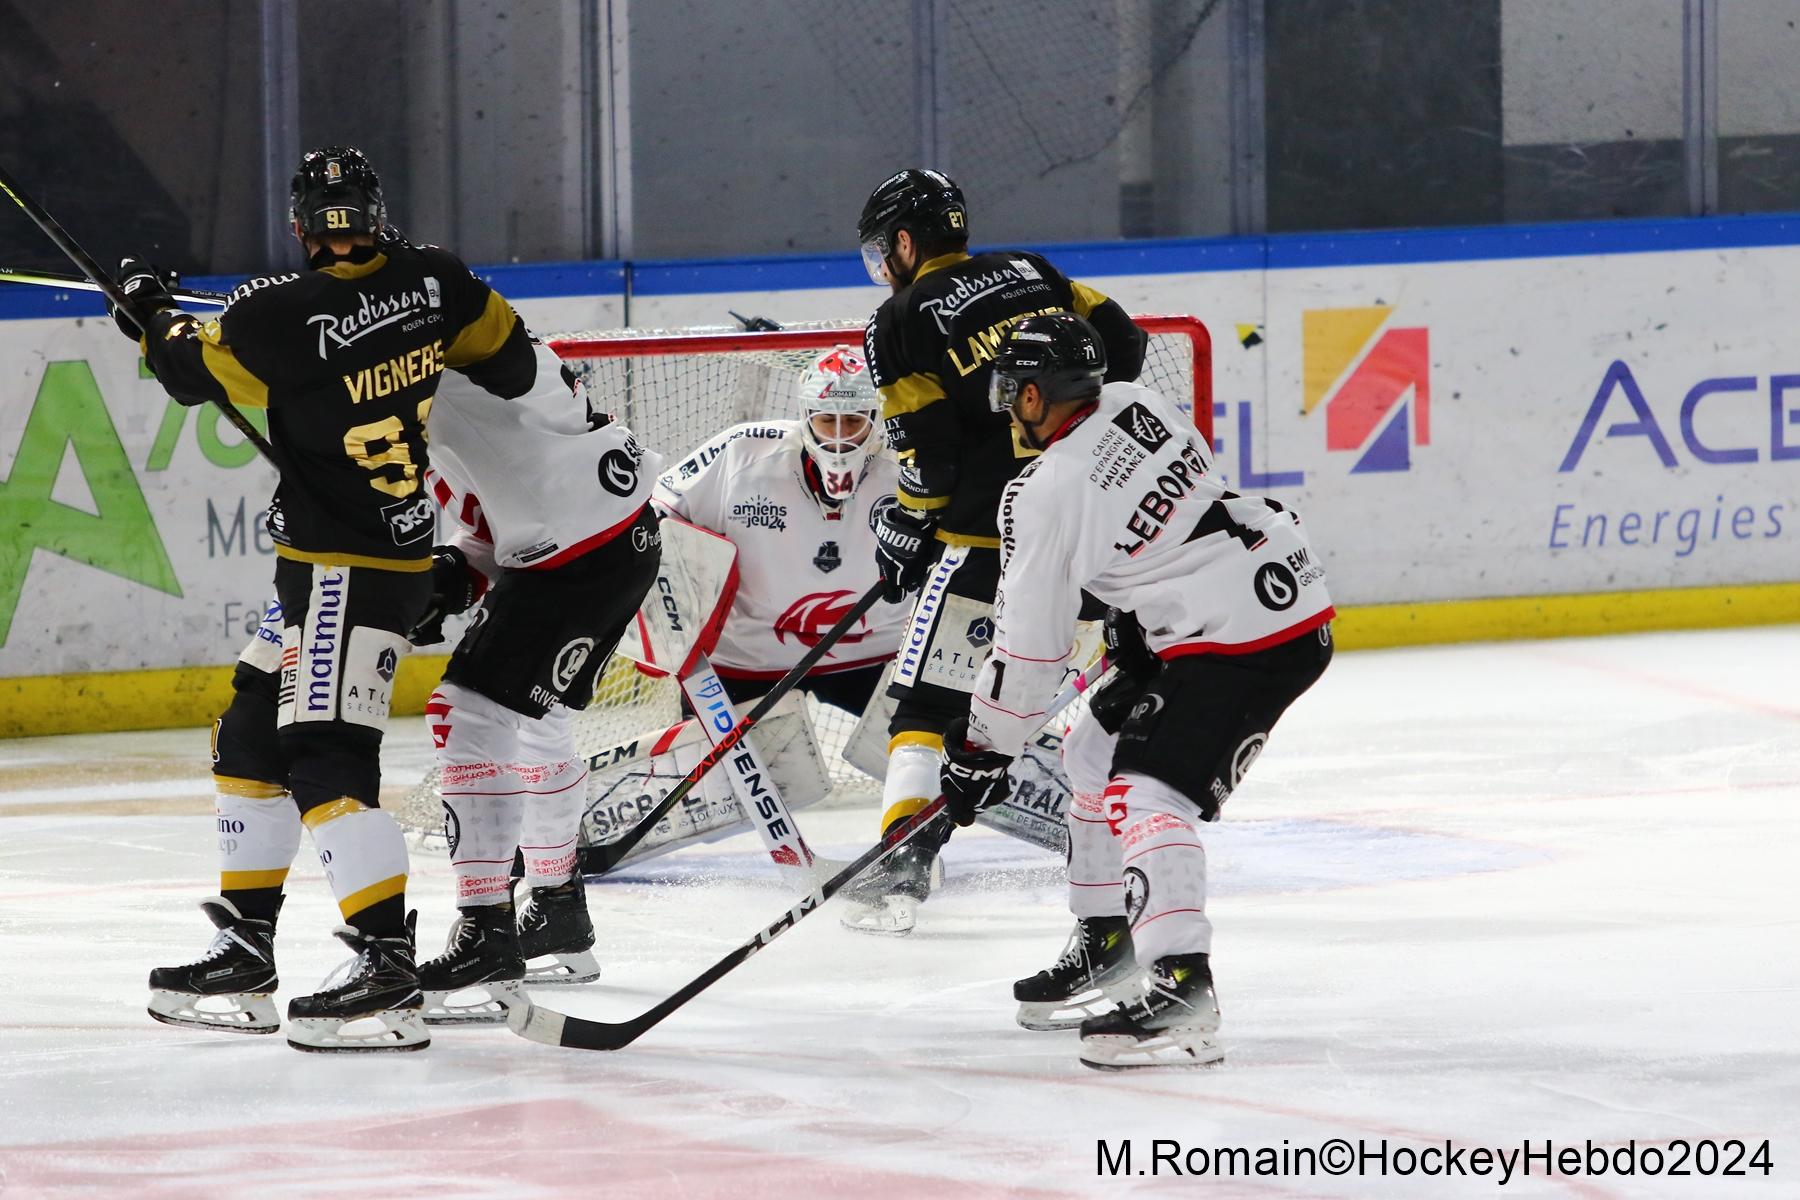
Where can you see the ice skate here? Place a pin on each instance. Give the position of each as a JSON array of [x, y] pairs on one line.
[[376, 1007], [231, 986], [554, 924], [477, 977], [1097, 971], [888, 898], [1173, 1025]]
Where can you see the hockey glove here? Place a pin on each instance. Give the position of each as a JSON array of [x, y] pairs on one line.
[[454, 589], [1136, 668], [973, 780], [147, 292], [903, 550]]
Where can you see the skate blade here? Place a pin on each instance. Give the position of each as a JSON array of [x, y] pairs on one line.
[[383, 1032], [248, 1012], [1171, 1048], [563, 970], [1049, 1016], [480, 1004], [893, 916]]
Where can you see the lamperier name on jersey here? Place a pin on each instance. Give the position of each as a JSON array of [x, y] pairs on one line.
[[928, 348], [346, 359], [1123, 504], [802, 564], [555, 486]]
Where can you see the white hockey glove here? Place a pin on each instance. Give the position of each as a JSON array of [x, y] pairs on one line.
[[973, 780]]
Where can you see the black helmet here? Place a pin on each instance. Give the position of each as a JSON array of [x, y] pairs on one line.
[[1059, 352], [336, 192], [927, 204]]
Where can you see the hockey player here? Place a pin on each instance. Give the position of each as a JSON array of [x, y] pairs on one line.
[[800, 500], [928, 348], [345, 357], [1233, 609], [552, 506]]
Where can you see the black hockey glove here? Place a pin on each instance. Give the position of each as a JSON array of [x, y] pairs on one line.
[[453, 590], [973, 780], [903, 551], [147, 290], [1136, 669]]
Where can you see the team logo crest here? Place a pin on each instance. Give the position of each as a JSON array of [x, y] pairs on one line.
[[1246, 754], [981, 632], [1137, 894], [569, 661], [1143, 426], [828, 559], [452, 829], [808, 618], [1276, 586]]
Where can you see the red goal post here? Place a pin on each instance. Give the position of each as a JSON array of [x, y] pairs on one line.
[[675, 387]]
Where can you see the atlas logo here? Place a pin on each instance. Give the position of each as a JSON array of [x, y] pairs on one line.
[[810, 617], [980, 632], [1374, 384]]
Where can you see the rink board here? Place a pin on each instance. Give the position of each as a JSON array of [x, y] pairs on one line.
[[1490, 433]]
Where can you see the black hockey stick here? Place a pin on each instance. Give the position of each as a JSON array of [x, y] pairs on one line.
[[120, 301], [559, 1029], [81, 283], [605, 857]]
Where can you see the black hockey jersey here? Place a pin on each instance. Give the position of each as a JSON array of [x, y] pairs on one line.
[[346, 358], [929, 348]]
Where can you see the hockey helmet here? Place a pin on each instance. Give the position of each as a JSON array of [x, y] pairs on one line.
[[1059, 352], [838, 411], [927, 204], [336, 193]]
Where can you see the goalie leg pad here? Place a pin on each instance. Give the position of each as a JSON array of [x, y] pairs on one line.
[[1095, 866], [555, 787], [477, 742], [1165, 868]]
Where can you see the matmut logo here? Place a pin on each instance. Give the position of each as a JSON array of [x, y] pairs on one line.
[[1374, 383]]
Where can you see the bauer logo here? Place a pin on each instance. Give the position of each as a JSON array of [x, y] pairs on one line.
[[1374, 384]]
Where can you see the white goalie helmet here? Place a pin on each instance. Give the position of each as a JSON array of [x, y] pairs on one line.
[[838, 414]]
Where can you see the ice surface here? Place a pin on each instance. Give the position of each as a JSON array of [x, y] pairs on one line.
[[1543, 890]]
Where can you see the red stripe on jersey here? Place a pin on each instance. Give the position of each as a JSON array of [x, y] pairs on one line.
[[586, 544], [1262, 643]]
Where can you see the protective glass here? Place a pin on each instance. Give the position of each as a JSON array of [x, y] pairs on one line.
[[874, 256], [1003, 392]]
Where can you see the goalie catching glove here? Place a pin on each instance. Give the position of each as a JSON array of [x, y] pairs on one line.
[[903, 545], [972, 779], [455, 587], [1135, 668]]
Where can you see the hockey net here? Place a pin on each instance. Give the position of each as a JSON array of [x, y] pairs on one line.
[[676, 387]]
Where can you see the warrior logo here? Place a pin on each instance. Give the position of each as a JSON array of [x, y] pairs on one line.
[[809, 617], [568, 662], [1276, 586], [1137, 894], [828, 559]]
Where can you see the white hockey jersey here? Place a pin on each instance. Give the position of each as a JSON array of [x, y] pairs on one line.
[[526, 480], [1122, 503], [801, 566]]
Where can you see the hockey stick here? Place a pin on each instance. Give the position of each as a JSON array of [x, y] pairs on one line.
[[81, 283], [615, 851], [578, 1033], [120, 301]]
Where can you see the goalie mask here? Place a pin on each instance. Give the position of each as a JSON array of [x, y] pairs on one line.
[[838, 410]]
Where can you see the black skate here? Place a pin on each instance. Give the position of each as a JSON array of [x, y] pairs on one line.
[[887, 899], [230, 986], [1172, 1026], [376, 1007], [554, 923], [480, 958], [1097, 970]]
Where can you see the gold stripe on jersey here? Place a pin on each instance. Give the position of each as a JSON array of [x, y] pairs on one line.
[[241, 385], [967, 539], [482, 338], [939, 263], [1086, 299], [255, 789], [329, 558], [345, 269], [909, 394]]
